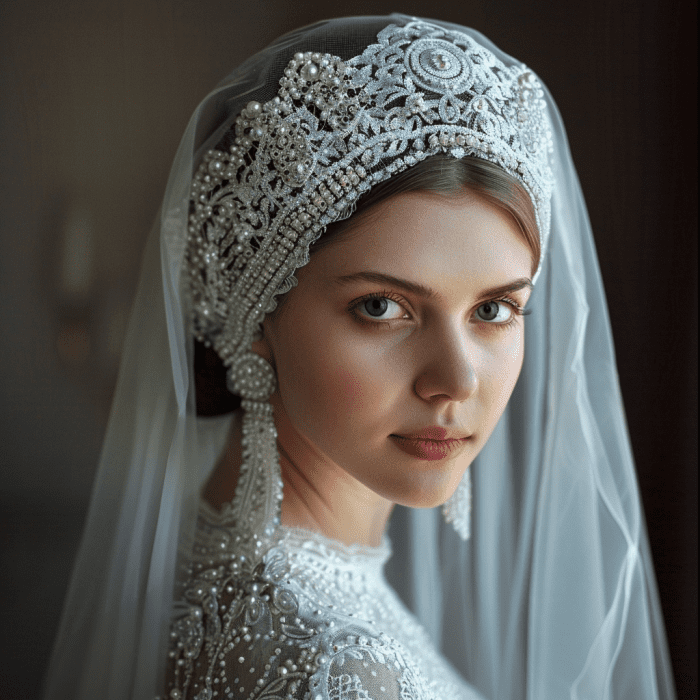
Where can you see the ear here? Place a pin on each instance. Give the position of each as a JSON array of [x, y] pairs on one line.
[[261, 345]]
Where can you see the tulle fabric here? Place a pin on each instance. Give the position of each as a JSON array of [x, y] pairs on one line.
[[553, 597], [572, 610]]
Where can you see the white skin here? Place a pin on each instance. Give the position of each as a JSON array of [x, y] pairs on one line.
[[348, 380]]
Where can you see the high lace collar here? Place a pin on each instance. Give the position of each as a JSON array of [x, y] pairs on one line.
[[308, 546], [324, 551]]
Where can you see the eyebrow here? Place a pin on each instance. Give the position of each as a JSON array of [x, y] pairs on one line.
[[427, 292]]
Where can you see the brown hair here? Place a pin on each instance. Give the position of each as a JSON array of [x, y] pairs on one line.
[[449, 176], [440, 174]]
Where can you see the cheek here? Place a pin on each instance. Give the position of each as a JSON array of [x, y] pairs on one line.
[[331, 377], [349, 387], [502, 375]]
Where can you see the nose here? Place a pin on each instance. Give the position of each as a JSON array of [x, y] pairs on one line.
[[449, 370]]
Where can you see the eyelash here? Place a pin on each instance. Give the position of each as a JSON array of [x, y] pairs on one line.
[[517, 309]]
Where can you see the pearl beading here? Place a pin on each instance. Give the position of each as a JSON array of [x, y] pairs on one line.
[[307, 617]]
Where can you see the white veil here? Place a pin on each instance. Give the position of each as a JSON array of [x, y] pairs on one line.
[[553, 596]]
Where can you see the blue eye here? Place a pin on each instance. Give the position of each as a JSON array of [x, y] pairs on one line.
[[376, 307], [379, 307], [492, 309], [500, 314]]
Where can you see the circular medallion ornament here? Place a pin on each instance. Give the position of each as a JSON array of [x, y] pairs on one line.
[[439, 66], [251, 377]]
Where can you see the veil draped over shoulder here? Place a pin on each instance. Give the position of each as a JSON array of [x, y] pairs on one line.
[[554, 595]]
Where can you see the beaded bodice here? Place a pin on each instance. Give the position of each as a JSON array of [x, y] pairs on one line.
[[312, 618]]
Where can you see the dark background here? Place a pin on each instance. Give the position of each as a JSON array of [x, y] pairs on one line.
[[95, 96]]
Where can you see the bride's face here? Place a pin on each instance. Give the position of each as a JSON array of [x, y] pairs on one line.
[[398, 329]]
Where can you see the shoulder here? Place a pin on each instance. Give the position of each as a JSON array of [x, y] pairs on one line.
[[259, 640], [336, 663]]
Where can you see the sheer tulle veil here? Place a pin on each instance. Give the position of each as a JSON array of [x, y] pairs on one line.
[[554, 594]]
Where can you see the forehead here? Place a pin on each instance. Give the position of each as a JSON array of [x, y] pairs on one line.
[[451, 243]]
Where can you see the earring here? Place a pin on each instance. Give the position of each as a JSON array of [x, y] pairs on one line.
[[257, 503], [457, 510]]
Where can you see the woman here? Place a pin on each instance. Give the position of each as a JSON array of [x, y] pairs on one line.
[[371, 375]]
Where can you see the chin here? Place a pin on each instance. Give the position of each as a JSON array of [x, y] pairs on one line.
[[431, 500], [422, 491]]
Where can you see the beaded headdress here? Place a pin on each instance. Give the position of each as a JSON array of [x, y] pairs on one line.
[[301, 160]]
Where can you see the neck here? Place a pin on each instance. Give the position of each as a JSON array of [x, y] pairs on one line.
[[319, 494]]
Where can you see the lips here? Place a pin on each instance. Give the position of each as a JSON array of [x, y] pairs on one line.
[[431, 443], [434, 432]]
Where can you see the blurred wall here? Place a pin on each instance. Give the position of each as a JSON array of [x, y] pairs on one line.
[[95, 95]]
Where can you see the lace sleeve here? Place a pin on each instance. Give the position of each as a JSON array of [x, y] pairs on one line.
[[370, 668], [256, 666]]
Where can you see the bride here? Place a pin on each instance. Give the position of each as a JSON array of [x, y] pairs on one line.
[[331, 322]]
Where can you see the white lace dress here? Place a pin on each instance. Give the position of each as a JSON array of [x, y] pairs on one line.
[[312, 619]]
